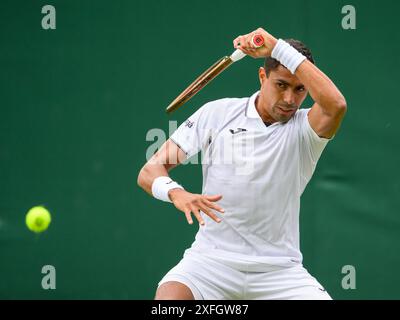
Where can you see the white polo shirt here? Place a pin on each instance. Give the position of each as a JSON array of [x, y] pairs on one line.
[[261, 172]]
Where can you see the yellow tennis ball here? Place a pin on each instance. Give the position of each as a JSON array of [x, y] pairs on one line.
[[38, 219]]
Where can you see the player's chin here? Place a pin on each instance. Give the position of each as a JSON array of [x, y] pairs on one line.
[[284, 118]]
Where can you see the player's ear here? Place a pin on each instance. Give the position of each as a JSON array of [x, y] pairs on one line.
[[262, 75]]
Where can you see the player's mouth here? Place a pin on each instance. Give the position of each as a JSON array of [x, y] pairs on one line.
[[286, 111]]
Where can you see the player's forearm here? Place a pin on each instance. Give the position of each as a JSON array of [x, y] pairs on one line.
[[165, 159], [148, 174], [321, 88]]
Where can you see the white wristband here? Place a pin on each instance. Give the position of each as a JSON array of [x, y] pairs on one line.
[[287, 55], [161, 186]]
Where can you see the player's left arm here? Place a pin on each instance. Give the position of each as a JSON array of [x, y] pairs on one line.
[[330, 105]]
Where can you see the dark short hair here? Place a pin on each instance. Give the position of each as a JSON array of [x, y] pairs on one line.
[[271, 64]]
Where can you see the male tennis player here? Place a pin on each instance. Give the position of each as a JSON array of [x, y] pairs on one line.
[[247, 246]]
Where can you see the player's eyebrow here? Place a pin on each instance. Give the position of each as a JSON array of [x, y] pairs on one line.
[[283, 82], [300, 86]]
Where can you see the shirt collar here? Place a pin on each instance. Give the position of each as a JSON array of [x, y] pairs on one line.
[[251, 107]]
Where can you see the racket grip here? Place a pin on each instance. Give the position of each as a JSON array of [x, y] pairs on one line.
[[257, 41], [237, 55]]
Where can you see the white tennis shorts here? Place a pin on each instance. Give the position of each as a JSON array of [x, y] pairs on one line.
[[209, 279]]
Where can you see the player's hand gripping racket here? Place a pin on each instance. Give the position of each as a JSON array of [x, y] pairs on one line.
[[210, 74]]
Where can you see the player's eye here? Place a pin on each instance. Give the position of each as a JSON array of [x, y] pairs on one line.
[[281, 85], [301, 89]]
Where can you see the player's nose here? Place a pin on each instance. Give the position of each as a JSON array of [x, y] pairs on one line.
[[289, 97]]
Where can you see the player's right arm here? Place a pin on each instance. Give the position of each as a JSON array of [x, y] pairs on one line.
[[166, 158]]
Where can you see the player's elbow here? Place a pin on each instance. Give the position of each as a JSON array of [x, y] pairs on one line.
[[339, 107], [141, 177], [342, 105]]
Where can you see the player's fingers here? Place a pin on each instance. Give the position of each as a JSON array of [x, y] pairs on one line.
[[241, 41], [208, 212], [197, 214], [250, 52], [244, 48], [188, 216], [244, 42], [252, 46], [213, 198], [249, 43], [235, 42], [213, 205]]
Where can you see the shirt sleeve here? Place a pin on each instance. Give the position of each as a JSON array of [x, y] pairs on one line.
[[311, 146], [193, 134]]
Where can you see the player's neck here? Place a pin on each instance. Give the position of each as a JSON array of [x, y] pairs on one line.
[[262, 112]]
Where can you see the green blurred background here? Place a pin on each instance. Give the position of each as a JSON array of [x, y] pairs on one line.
[[77, 103]]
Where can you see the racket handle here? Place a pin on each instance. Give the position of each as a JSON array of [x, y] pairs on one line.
[[237, 55], [258, 42]]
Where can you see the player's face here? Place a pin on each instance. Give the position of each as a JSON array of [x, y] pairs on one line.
[[281, 94]]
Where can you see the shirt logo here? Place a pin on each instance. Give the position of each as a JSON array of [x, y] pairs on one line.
[[189, 123], [237, 130]]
